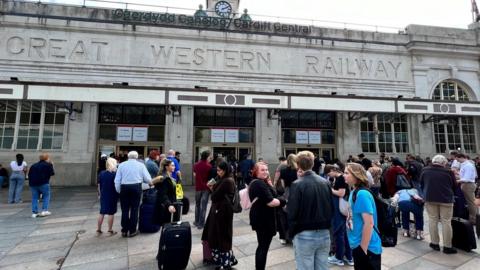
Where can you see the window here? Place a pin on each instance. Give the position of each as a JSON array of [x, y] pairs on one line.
[[8, 112], [392, 130], [455, 132], [131, 114], [293, 121], [31, 128], [53, 128], [308, 119], [222, 117]]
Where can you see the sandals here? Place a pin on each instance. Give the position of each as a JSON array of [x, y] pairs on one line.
[[112, 232], [99, 232]]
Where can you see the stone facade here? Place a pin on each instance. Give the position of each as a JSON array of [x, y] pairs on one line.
[[58, 52]]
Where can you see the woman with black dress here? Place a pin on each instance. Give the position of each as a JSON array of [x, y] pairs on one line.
[[166, 193], [108, 195], [262, 213], [218, 230], [288, 174]]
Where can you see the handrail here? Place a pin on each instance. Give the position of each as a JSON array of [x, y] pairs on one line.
[[256, 17]]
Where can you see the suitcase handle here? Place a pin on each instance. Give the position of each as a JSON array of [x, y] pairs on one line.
[[175, 204]]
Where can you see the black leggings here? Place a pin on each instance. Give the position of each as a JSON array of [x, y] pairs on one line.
[[264, 239], [369, 261]]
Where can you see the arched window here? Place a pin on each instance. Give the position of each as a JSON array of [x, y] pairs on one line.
[[455, 133]]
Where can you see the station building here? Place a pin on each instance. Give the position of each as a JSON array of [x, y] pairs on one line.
[[80, 81]]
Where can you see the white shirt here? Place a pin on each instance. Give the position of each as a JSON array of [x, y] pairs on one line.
[[455, 164], [16, 168], [131, 172], [370, 179], [467, 172]]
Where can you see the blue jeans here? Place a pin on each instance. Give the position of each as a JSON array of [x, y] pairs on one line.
[[405, 208], [201, 202], [16, 187], [2, 178], [36, 191], [340, 235], [311, 249]]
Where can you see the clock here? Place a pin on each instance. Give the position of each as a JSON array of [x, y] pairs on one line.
[[223, 9]]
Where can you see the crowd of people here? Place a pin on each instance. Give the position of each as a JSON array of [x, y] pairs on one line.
[[327, 210]]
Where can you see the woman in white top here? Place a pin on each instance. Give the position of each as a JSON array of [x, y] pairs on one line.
[[17, 179]]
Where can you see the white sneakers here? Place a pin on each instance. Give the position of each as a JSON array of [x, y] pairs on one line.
[[42, 214]]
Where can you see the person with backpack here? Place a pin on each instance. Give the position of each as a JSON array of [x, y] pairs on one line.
[[392, 174], [362, 225], [262, 212]]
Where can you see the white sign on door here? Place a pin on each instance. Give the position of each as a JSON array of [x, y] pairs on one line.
[[301, 137], [217, 135], [314, 137], [124, 134], [231, 135], [140, 134]]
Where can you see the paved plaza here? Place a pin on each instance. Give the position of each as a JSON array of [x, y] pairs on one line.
[[67, 240]]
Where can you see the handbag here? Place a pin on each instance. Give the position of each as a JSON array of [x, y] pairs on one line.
[[179, 191], [402, 182], [343, 206], [279, 187], [237, 207]]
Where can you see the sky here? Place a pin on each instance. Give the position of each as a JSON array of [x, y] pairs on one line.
[[392, 13]]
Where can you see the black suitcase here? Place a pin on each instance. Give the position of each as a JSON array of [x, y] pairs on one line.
[[463, 235], [175, 244], [145, 221]]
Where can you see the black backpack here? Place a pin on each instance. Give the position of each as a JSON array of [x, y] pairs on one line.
[[386, 219]]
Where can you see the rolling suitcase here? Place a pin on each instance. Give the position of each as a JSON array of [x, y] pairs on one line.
[[145, 220], [147, 209], [175, 244], [463, 236]]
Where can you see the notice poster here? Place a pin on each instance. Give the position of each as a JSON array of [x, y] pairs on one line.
[[301, 137], [140, 134], [124, 134], [231, 135], [314, 137], [217, 135]]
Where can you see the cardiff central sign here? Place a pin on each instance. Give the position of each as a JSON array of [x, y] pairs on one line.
[[220, 23]]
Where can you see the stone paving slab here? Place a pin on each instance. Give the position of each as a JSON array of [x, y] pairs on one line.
[[42, 243]]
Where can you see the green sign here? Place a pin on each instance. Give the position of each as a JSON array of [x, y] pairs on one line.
[[208, 22]]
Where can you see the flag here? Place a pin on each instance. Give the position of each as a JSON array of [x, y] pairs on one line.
[[474, 7]]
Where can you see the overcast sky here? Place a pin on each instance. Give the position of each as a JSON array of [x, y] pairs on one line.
[[395, 13]]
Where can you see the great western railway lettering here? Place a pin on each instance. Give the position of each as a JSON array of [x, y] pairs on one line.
[[56, 48], [352, 67], [211, 58], [215, 56]]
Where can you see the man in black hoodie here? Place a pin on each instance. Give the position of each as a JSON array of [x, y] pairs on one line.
[[310, 209]]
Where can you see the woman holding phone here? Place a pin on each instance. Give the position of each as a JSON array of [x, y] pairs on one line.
[[218, 230]]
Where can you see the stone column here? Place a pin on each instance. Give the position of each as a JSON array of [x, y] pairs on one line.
[[268, 138], [348, 137], [179, 137]]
